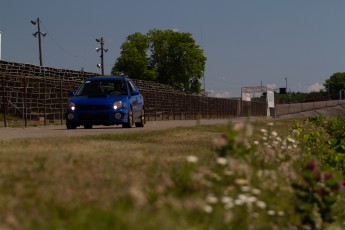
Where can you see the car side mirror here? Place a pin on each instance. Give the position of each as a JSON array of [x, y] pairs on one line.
[[135, 92], [71, 93]]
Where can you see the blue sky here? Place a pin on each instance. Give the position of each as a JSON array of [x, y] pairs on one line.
[[246, 42]]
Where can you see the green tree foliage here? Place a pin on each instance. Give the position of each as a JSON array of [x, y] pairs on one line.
[[167, 57], [334, 84], [133, 61]]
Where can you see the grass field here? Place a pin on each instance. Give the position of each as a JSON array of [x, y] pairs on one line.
[[203, 177]]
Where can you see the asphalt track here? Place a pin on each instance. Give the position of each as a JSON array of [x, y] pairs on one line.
[[11, 133]]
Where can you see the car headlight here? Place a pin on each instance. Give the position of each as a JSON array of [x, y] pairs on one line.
[[71, 106], [117, 105]]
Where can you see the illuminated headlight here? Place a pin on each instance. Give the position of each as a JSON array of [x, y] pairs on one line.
[[117, 105], [71, 106]]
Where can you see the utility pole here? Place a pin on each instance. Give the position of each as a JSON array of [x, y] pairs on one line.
[[39, 33], [101, 41], [0, 44]]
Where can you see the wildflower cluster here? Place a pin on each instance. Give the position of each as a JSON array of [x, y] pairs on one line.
[[276, 146], [236, 142], [252, 181], [232, 182], [317, 193]]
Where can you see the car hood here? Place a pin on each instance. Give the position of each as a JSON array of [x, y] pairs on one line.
[[97, 99]]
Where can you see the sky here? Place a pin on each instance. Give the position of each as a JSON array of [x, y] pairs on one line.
[[293, 43]]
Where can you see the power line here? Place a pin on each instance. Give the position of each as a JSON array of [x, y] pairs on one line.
[[65, 50]]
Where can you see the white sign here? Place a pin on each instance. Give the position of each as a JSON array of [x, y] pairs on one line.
[[246, 96], [270, 99]]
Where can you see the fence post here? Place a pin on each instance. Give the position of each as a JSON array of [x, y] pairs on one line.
[[61, 103], [155, 106], [174, 103], [25, 103], [4, 100], [44, 100]]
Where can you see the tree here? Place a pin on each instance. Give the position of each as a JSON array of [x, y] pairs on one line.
[[133, 61], [167, 57], [335, 84]]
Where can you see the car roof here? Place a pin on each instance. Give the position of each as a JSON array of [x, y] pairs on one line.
[[108, 78]]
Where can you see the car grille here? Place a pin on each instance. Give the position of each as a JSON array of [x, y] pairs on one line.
[[93, 116], [94, 107]]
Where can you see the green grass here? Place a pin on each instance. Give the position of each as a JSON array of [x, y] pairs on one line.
[[171, 179]]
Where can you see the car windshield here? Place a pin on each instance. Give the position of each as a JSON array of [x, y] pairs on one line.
[[102, 87]]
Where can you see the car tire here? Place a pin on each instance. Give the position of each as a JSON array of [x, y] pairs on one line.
[[142, 119], [87, 126], [129, 122], [71, 126]]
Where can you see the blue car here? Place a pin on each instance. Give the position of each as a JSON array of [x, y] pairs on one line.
[[105, 100]]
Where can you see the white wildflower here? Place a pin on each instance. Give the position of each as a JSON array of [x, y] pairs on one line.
[[208, 209], [242, 197], [271, 212], [226, 199], [291, 140], [228, 173], [211, 199], [251, 199], [229, 205], [239, 202], [222, 161], [274, 134], [263, 130], [275, 143], [281, 213], [295, 132], [270, 124], [261, 204], [192, 159], [245, 188], [256, 143], [256, 191]]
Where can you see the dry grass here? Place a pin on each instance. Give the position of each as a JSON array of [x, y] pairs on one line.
[[40, 175], [144, 180]]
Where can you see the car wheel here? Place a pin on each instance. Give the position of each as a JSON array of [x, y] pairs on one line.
[[71, 126], [129, 120], [87, 126], [142, 119]]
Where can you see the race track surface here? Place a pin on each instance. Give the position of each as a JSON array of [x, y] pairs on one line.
[[10, 133]]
